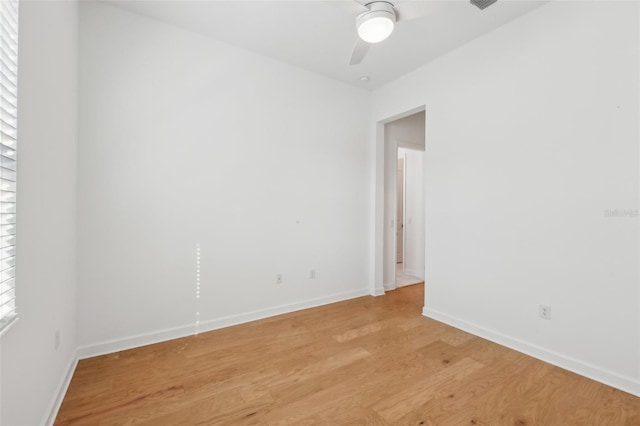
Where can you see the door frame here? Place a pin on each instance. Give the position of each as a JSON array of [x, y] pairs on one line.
[[382, 148]]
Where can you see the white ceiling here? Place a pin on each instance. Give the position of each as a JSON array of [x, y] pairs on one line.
[[320, 36]]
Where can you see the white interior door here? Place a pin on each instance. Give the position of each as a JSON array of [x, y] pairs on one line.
[[400, 212]]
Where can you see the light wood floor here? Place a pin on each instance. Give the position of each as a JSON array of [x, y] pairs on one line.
[[365, 361]]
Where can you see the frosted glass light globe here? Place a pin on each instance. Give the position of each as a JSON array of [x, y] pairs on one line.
[[377, 23]]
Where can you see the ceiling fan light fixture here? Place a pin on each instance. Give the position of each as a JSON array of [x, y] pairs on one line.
[[377, 23]]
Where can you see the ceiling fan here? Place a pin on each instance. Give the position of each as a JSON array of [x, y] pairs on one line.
[[375, 20]]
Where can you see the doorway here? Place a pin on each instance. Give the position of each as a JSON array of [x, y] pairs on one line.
[[400, 211], [403, 199], [409, 212]]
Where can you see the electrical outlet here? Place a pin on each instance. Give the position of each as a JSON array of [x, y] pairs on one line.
[[545, 312], [279, 279], [312, 274], [56, 340]]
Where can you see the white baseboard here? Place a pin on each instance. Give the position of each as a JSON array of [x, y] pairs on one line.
[[413, 273], [389, 286], [189, 329], [61, 390], [378, 291], [584, 369], [130, 342]]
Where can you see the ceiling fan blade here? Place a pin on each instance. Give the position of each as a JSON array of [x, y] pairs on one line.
[[412, 10], [359, 52], [483, 4], [351, 7]]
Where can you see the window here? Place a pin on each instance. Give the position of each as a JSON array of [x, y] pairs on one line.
[[8, 140]]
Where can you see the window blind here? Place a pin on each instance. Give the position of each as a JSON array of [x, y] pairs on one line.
[[8, 145]]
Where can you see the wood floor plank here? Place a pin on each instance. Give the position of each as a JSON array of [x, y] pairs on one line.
[[454, 397], [366, 361], [394, 407]]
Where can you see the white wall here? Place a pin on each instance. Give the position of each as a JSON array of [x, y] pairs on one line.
[[185, 140], [413, 212], [31, 370], [533, 136], [406, 132]]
